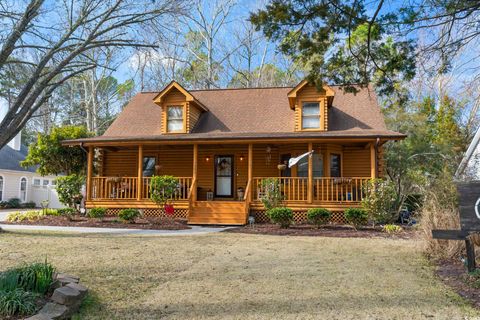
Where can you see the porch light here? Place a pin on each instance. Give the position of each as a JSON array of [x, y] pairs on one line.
[[241, 158], [207, 158]]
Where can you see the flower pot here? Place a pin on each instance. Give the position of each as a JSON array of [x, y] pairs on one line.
[[282, 167]]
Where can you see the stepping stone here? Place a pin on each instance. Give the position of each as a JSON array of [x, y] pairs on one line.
[[54, 311], [82, 289], [67, 296], [66, 280]]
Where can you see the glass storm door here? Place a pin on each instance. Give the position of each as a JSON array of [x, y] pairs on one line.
[[224, 176]]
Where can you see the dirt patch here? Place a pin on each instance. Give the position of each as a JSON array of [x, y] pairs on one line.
[[108, 222], [336, 231], [454, 274]]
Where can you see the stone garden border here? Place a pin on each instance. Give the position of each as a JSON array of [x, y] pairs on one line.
[[66, 299]]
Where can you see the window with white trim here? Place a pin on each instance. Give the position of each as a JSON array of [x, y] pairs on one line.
[[45, 182], [23, 189], [36, 182], [310, 115], [175, 119]]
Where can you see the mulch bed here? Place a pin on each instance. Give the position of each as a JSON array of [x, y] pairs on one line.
[[454, 274], [108, 222], [335, 231]]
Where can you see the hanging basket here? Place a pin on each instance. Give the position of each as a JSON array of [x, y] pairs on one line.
[[282, 167]]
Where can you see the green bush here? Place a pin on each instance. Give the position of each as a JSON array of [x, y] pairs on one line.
[[272, 194], [380, 200], [29, 204], [20, 287], [97, 213], [128, 214], [69, 189], [356, 216], [67, 212], [162, 189], [17, 302], [4, 205], [318, 216], [14, 203], [280, 215], [35, 277]]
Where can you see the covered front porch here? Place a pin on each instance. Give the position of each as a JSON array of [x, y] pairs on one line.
[[221, 183]]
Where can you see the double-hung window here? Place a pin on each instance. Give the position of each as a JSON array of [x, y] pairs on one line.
[[310, 115], [175, 119]]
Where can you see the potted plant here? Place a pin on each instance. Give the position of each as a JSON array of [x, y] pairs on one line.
[[240, 193]]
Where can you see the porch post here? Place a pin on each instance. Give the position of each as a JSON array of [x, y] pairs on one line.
[[310, 175], [89, 172], [250, 169], [373, 161], [195, 169], [140, 173]]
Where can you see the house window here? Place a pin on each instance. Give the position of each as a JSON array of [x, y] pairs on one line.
[[310, 115], [317, 165], [335, 165], [23, 189], [148, 166], [174, 119], [54, 182], [1, 188], [36, 182], [45, 183]]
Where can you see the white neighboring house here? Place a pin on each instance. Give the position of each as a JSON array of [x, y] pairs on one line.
[[24, 183], [469, 168]]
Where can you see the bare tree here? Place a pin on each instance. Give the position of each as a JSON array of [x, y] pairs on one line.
[[52, 40]]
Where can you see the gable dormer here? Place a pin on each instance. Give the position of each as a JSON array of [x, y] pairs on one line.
[[180, 109], [311, 106]]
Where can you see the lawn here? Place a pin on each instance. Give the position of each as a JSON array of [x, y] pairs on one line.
[[241, 276]]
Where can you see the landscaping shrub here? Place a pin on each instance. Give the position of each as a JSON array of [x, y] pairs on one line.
[[67, 212], [4, 205], [356, 217], [280, 215], [31, 215], [128, 214], [272, 196], [21, 286], [162, 189], [380, 201], [69, 189], [29, 204], [318, 216], [14, 203], [17, 302], [392, 228], [96, 213]]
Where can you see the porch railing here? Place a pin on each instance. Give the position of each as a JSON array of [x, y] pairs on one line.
[[292, 188], [114, 188], [328, 189], [341, 189], [126, 188], [182, 192]]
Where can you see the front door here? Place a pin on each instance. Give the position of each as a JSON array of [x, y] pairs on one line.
[[224, 176]]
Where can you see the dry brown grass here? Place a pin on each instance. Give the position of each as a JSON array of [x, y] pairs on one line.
[[240, 276]]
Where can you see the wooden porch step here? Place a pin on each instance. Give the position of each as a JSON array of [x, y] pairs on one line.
[[217, 212]]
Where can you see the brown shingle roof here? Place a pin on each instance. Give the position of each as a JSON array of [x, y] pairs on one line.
[[251, 113]]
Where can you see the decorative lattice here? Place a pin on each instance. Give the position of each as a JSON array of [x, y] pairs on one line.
[[298, 216], [177, 213]]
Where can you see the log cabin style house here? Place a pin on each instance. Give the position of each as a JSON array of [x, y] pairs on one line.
[[222, 143]]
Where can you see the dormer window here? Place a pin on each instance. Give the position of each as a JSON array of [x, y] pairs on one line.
[[175, 119], [310, 115]]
